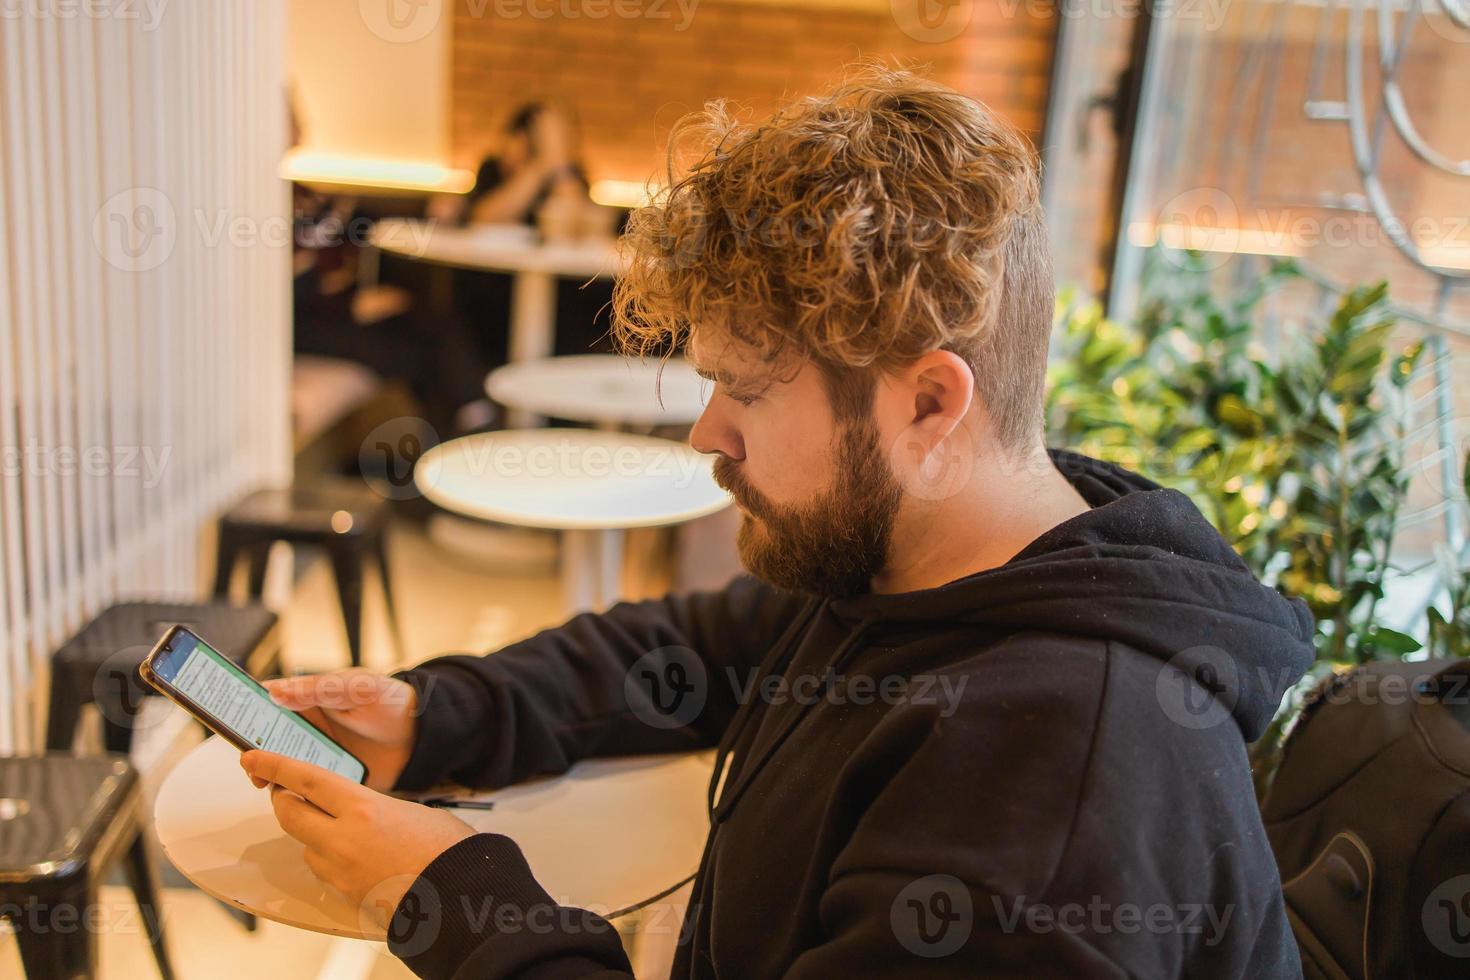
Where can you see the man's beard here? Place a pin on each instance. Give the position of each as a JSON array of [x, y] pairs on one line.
[[833, 545]]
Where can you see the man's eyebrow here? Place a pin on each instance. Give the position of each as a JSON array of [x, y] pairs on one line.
[[717, 376]]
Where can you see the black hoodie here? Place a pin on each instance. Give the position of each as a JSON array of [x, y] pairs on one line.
[[1036, 770]]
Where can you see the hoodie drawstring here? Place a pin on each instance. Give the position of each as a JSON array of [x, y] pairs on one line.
[[720, 808]]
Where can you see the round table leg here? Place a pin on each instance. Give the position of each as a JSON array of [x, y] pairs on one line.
[[532, 327], [591, 569], [610, 566], [578, 565]]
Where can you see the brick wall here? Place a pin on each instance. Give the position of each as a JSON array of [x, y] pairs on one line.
[[628, 78]]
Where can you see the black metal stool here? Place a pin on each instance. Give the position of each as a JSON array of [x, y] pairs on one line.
[[100, 664], [64, 822], [345, 519]]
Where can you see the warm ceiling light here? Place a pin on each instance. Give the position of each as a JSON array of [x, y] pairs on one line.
[[330, 168], [1445, 256], [620, 193], [1202, 238]]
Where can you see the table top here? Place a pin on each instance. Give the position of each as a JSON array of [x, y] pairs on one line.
[[607, 835], [602, 388], [570, 479], [495, 248]]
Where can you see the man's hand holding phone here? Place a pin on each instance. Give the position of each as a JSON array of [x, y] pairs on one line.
[[368, 714], [368, 846]]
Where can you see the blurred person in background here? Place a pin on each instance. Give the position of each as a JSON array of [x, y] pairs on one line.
[[536, 164], [535, 179], [378, 326]]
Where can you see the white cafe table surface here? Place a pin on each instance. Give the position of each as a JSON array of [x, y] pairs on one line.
[[603, 389], [607, 835], [513, 249], [589, 484], [496, 248]]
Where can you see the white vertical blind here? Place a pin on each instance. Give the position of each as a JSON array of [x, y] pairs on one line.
[[144, 311]]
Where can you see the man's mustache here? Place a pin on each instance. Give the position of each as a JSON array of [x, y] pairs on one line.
[[733, 482]]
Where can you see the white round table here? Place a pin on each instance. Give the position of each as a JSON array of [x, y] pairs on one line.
[[608, 835], [589, 484], [513, 249], [604, 389]]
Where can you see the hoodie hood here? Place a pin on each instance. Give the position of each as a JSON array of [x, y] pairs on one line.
[[1143, 568]]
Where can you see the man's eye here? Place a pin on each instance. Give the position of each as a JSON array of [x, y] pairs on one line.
[[745, 400]]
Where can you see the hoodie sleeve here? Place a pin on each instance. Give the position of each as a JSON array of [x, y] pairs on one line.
[[657, 676], [477, 912]]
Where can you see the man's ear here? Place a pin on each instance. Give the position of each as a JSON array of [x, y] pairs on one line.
[[934, 454], [942, 386]]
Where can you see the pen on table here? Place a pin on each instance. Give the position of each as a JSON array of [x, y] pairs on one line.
[[458, 803]]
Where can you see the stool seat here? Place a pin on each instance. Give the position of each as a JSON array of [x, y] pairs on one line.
[[100, 663], [343, 517], [310, 514], [55, 810], [64, 822]]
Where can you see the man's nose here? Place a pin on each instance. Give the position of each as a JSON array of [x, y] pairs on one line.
[[713, 433]]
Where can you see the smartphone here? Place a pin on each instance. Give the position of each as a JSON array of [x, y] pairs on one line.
[[232, 704]]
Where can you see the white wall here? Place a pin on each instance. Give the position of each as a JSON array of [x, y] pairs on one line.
[[144, 306], [371, 77]]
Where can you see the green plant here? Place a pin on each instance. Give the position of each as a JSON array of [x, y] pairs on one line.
[[1297, 459]]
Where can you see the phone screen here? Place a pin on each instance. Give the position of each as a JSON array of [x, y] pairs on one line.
[[238, 702]]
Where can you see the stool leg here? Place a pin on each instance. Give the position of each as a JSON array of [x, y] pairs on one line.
[[260, 556], [224, 562], [62, 717], [140, 877], [347, 567], [46, 950], [120, 699], [115, 737], [380, 554]]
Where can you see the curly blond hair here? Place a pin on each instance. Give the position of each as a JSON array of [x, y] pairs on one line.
[[858, 229]]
